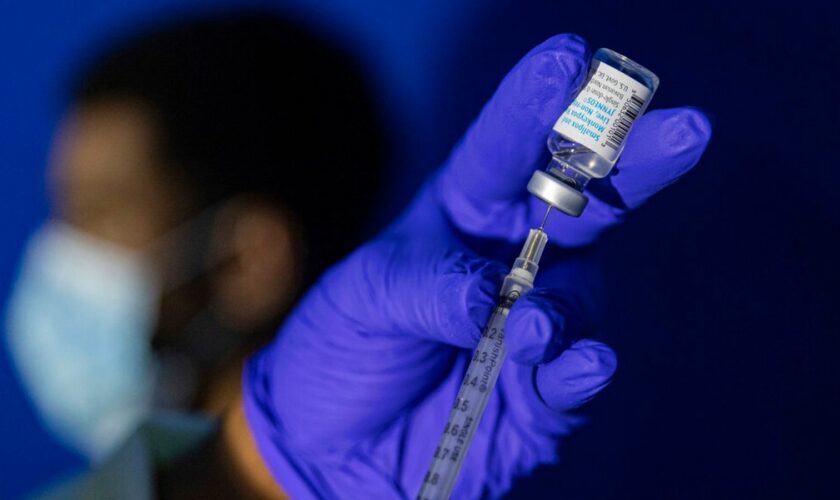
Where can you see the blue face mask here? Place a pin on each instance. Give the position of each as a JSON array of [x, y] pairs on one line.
[[79, 326]]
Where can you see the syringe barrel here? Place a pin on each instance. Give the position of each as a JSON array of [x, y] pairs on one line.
[[481, 376]]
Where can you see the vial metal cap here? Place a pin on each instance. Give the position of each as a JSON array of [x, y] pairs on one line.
[[557, 193]]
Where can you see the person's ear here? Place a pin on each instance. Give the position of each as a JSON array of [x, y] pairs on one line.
[[263, 265]]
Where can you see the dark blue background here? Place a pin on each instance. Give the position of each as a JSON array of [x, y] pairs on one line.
[[723, 309]]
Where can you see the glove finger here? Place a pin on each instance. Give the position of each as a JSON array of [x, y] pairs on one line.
[[364, 330], [390, 288], [492, 164], [663, 146], [576, 375], [541, 325]]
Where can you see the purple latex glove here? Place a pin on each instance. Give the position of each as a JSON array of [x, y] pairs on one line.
[[351, 398]]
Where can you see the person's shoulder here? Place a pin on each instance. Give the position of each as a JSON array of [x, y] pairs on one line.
[[164, 440]]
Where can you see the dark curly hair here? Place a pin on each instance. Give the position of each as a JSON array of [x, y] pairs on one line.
[[248, 103]]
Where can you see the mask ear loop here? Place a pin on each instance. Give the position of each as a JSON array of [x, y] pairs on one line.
[[205, 343], [183, 251]]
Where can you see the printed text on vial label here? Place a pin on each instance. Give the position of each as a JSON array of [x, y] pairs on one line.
[[601, 115]]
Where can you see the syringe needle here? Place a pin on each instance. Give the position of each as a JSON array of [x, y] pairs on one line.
[[545, 218]]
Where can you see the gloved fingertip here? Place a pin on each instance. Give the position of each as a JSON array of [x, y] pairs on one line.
[[536, 331], [568, 51], [467, 297], [577, 375], [664, 145], [569, 42], [688, 129], [481, 294], [529, 335], [550, 73]]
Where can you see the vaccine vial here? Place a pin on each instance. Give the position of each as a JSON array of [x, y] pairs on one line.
[[589, 136]]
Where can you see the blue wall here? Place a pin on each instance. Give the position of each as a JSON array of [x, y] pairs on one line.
[[723, 289]]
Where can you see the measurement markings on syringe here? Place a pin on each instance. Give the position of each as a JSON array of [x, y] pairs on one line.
[[461, 433], [485, 362], [473, 394], [481, 355]]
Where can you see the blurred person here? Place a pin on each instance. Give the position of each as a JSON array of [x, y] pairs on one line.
[[202, 174]]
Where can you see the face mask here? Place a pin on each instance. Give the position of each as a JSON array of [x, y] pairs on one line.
[[78, 328]]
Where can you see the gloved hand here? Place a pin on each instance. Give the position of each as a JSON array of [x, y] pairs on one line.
[[351, 398]]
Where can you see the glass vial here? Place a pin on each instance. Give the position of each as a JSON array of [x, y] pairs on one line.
[[590, 135]]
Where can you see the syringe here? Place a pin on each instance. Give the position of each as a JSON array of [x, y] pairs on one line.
[[622, 89], [482, 373]]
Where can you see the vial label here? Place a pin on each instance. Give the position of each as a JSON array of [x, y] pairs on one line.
[[601, 115]]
